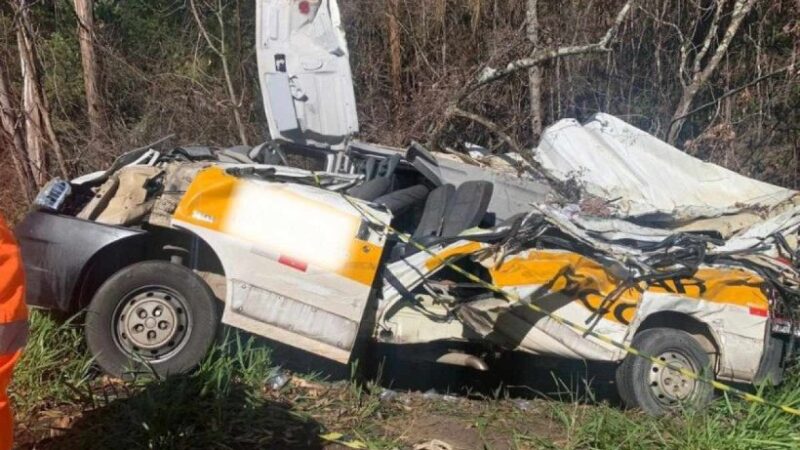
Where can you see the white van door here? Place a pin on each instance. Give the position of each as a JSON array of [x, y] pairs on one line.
[[304, 71]]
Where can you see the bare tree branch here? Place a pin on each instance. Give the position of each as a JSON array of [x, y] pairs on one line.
[[13, 137], [39, 133], [701, 75], [532, 165], [220, 50], [490, 75], [754, 82], [603, 45]]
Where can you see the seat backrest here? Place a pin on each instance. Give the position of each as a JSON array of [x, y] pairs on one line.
[[399, 201], [380, 184], [433, 215], [372, 189], [467, 208]]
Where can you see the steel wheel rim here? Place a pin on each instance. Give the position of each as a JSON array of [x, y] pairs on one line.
[[670, 387], [151, 323]]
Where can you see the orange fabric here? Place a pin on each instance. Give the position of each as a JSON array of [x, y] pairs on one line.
[[6, 426], [12, 308]]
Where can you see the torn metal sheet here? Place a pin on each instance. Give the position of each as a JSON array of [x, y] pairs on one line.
[[644, 176]]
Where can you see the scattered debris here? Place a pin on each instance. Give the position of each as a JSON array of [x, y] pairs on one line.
[[434, 444], [522, 405], [387, 395], [431, 394], [278, 380]]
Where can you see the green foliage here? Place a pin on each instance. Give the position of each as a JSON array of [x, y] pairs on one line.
[[152, 30], [53, 368], [729, 424], [61, 60], [225, 404]]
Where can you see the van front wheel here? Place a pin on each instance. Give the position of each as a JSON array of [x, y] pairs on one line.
[[657, 389], [153, 317]]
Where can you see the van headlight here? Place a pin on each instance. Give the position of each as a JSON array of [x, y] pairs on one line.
[[53, 195]]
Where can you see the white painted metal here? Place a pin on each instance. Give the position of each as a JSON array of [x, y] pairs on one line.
[[305, 74]]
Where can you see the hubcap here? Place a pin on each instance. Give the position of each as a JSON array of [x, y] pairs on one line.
[[670, 386], [151, 323]]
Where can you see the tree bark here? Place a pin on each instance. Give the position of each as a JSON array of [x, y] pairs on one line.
[[13, 137], [98, 126], [34, 139], [395, 51], [535, 73], [700, 74], [39, 134]]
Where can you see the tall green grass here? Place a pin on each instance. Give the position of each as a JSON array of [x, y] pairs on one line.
[[730, 423], [219, 406], [225, 404], [54, 368]]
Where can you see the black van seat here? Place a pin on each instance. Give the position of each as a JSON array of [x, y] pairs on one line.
[[467, 208], [380, 184], [399, 201], [372, 189], [433, 215], [449, 212]]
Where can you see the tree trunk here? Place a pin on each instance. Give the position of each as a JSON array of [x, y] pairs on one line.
[[395, 51], [39, 134], [94, 102], [34, 137], [13, 138], [535, 73], [701, 74]]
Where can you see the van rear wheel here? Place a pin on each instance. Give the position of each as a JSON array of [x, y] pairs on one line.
[[153, 317], [657, 389]]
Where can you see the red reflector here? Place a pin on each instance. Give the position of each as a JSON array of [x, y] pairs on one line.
[[293, 263], [759, 312], [305, 7]]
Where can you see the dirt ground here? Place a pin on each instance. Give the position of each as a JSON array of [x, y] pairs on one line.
[[398, 420]]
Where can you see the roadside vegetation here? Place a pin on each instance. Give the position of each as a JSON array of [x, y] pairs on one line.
[[680, 70], [725, 90], [231, 401]]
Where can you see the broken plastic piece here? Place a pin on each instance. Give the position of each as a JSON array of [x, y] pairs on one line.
[[278, 380]]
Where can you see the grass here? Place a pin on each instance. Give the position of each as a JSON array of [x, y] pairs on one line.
[[54, 366], [728, 424], [62, 402]]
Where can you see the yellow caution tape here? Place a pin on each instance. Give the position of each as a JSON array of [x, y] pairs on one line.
[[339, 438], [580, 328]]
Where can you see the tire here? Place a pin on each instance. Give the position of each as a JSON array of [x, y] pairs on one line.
[[153, 317], [657, 390]]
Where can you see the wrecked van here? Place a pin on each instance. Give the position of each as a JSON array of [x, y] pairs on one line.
[[321, 242]]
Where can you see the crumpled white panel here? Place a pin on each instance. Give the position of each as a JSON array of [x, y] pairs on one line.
[[643, 175]]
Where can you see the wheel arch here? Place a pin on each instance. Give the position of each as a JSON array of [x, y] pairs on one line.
[[700, 330], [144, 247]]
